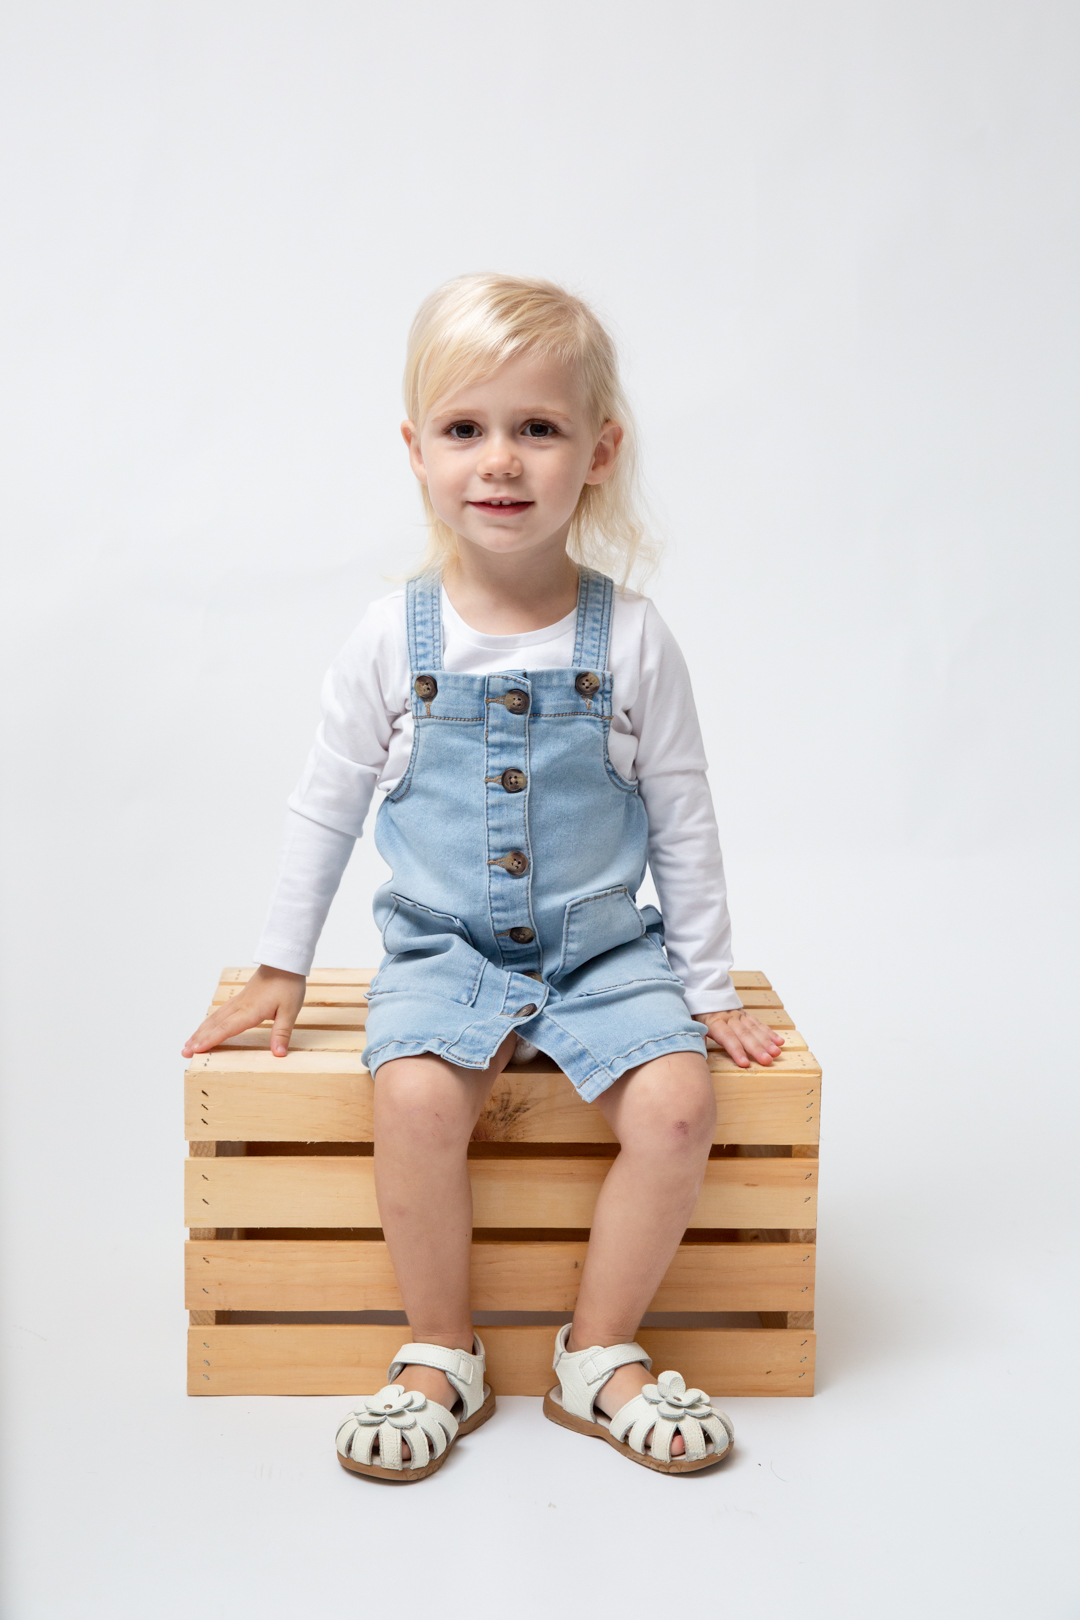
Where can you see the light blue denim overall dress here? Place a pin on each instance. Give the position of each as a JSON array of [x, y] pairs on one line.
[[516, 850]]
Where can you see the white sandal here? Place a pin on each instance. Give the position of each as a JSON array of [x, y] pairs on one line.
[[663, 1410], [397, 1414]]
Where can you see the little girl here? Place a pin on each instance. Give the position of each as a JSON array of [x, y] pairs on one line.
[[532, 729]]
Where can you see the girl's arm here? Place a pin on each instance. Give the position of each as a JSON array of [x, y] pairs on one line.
[[326, 814], [684, 848]]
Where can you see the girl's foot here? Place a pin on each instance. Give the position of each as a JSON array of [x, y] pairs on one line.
[[401, 1433], [661, 1425]]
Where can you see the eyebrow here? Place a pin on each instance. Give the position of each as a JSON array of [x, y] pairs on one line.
[[525, 411]]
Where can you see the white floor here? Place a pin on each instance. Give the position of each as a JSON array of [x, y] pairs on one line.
[[934, 1472]]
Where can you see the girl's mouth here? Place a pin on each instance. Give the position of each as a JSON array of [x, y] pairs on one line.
[[501, 508]]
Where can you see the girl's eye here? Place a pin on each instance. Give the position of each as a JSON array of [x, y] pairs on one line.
[[464, 430], [539, 430]]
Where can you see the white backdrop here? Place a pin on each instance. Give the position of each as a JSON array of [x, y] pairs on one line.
[[838, 244]]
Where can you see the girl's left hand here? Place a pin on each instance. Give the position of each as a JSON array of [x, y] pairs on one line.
[[742, 1037]]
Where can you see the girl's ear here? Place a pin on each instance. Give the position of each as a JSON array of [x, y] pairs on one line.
[[410, 433], [605, 454]]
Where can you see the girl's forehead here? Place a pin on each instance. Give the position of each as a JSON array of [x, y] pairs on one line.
[[528, 382]]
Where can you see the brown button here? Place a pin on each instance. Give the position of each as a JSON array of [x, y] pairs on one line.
[[526, 1011], [538, 976], [517, 701], [588, 683], [522, 936], [425, 687], [516, 863], [514, 780]]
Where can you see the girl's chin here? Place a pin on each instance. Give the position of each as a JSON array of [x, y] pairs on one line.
[[501, 543], [500, 536]]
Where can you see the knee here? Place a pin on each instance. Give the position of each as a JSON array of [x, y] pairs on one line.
[[691, 1116], [415, 1100], [678, 1118]]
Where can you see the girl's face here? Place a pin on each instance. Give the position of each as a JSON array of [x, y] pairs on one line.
[[505, 459]]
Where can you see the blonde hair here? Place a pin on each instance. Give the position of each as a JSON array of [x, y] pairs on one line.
[[469, 327]]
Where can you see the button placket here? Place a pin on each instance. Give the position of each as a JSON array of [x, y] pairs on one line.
[[506, 771], [525, 995]]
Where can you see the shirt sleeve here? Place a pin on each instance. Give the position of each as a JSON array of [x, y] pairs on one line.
[[684, 847], [326, 811]]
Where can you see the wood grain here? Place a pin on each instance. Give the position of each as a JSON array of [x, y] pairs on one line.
[[332, 1359], [324, 1094], [268, 1275], [339, 1191]]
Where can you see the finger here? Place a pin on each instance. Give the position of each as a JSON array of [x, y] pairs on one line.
[[197, 1042], [733, 1046], [282, 1032], [764, 1039], [232, 1019], [753, 1029]]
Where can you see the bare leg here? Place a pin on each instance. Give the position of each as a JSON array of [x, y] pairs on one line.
[[425, 1111], [664, 1115]]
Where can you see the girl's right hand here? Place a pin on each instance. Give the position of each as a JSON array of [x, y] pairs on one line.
[[269, 993]]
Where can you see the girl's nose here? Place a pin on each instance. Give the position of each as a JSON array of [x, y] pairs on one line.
[[499, 459]]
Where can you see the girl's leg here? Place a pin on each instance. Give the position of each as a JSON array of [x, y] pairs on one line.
[[425, 1111], [664, 1116]]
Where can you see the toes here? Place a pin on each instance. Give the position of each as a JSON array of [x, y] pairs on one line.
[[678, 1444]]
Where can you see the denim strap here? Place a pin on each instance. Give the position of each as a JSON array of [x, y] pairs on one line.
[[423, 622], [595, 596]]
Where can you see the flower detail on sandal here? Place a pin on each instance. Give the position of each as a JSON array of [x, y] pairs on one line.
[[675, 1401], [391, 1405]]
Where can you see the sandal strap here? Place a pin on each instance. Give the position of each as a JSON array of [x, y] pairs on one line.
[[464, 1371], [583, 1373], [598, 1364]]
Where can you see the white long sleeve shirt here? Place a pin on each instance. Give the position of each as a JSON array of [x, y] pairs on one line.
[[365, 741]]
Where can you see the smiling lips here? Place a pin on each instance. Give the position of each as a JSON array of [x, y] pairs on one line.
[[502, 507]]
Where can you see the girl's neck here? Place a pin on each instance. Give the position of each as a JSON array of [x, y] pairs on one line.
[[511, 595]]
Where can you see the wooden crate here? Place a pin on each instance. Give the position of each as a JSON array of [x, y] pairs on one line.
[[284, 1228]]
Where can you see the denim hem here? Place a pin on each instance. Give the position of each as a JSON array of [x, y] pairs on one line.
[[586, 1073], [373, 1058], [595, 1086]]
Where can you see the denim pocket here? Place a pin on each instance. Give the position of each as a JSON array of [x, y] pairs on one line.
[[428, 953], [597, 923]]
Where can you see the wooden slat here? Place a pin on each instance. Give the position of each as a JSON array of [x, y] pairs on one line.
[[342, 1032], [329, 1191], [327, 1096], [332, 1359], [313, 1018], [342, 996], [268, 1275]]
